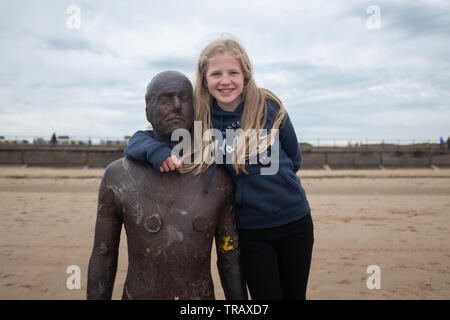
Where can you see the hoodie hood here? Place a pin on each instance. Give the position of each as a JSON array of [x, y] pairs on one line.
[[222, 119], [216, 110]]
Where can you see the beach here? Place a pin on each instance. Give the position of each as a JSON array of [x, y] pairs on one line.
[[397, 220]]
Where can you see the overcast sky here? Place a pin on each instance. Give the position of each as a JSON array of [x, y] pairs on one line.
[[339, 76]]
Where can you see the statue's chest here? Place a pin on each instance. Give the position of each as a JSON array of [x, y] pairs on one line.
[[171, 205], [160, 213]]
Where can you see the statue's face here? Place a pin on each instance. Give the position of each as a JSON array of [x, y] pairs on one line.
[[170, 107]]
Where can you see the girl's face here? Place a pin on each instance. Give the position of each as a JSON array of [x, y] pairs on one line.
[[225, 80]]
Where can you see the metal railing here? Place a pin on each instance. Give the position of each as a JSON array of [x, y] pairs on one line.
[[65, 140], [372, 143], [304, 141]]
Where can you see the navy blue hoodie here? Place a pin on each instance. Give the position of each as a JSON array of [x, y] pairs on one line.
[[261, 201]]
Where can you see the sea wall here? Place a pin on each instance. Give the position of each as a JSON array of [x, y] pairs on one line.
[[354, 159], [312, 157], [59, 156]]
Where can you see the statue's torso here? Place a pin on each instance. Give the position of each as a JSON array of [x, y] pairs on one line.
[[170, 225]]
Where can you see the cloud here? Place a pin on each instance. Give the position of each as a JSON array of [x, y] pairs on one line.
[[336, 77]]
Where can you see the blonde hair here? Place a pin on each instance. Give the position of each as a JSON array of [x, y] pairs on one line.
[[254, 115]]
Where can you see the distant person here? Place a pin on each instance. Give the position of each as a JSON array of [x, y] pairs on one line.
[[441, 144], [272, 211], [53, 139], [448, 143]]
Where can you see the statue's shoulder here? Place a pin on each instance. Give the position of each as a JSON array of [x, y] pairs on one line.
[[125, 167], [221, 172], [220, 178]]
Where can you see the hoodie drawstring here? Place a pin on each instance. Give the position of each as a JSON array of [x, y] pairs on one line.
[[210, 177]]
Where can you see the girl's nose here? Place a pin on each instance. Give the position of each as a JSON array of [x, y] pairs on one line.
[[225, 80]]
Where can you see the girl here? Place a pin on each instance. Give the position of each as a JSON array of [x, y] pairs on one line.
[[272, 212]]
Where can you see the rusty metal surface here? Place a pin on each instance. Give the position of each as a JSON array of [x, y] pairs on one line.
[[170, 223]]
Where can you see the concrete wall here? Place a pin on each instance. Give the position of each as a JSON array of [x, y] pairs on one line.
[[59, 156], [348, 159], [313, 158]]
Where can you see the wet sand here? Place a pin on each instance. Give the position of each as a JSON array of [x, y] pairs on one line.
[[398, 220]]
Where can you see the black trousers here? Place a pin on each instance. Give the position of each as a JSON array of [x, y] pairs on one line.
[[276, 261]]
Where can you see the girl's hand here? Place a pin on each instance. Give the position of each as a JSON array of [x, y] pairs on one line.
[[170, 164]]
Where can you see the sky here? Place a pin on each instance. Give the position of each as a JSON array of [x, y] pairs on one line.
[[345, 70]]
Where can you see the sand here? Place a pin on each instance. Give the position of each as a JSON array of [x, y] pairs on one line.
[[398, 220]]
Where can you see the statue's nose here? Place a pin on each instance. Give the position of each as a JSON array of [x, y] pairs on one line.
[[177, 103]]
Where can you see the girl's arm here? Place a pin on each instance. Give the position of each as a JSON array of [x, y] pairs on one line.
[[288, 137], [289, 142], [144, 147]]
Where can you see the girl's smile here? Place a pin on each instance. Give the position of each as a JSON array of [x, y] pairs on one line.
[[225, 80]]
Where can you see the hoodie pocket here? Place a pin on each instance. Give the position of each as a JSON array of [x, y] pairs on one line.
[[291, 181]]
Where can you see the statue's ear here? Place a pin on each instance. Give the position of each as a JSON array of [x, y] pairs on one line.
[[149, 114]]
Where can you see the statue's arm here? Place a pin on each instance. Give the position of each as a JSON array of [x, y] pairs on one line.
[[228, 262], [103, 262]]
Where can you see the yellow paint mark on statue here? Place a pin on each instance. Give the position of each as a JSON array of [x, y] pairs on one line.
[[227, 244]]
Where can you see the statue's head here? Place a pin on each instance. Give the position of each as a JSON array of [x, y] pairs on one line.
[[169, 103]]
